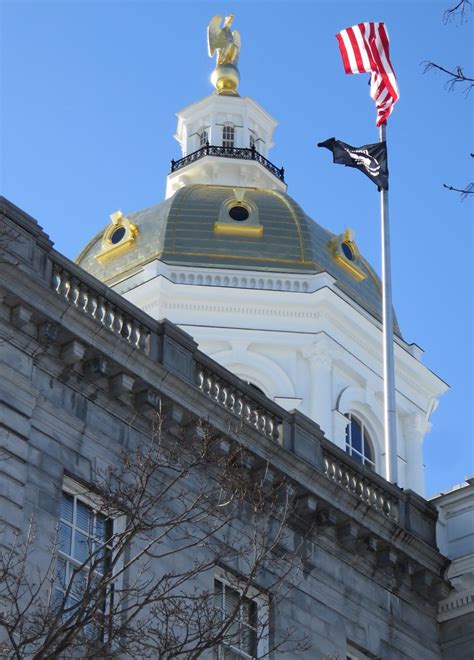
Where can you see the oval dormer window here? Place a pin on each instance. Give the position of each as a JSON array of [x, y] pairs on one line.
[[239, 213], [117, 235], [348, 250]]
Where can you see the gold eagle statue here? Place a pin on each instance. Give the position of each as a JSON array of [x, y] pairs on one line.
[[223, 41]]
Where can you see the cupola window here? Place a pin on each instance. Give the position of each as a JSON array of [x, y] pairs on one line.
[[203, 138], [358, 443], [228, 136]]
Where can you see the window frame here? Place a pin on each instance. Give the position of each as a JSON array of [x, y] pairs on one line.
[[228, 142], [366, 459], [203, 137], [262, 605], [84, 495]]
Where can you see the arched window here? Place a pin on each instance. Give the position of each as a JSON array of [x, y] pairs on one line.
[[228, 134], [203, 138], [358, 443]]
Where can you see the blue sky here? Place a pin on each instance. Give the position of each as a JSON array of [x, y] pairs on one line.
[[89, 92]]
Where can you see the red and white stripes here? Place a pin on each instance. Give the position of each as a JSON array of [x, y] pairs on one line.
[[365, 49]]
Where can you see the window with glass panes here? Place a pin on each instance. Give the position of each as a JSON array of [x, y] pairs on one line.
[[203, 138], [243, 637], [252, 141], [82, 539], [358, 443], [228, 135]]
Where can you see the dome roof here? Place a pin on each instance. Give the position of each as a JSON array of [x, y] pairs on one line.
[[182, 231]]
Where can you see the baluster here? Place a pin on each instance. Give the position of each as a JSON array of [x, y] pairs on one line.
[[126, 331], [246, 411], [223, 394], [134, 333], [208, 384], [92, 304], [269, 426], [200, 379], [74, 291], [65, 285], [367, 492], [276, 429], [82, 297], [118, 322], [100, 309], [109, 316], [239, 404], [56, 278], [144, 340], [214, 393]]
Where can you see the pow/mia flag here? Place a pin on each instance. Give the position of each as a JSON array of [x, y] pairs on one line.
[[371, 159]]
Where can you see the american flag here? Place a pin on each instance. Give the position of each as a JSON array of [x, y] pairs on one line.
[[365, 49]]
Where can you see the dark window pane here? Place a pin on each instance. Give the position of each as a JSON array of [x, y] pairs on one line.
[[81, 546], [117, 236], [358, 457], [356, 435], [83, 516], [100, 523], [64, 538], [67, 507], [368, 448], [348, 251], [239, 213], [61, 572]]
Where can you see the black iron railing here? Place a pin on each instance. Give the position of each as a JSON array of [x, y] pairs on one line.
[[242, 153]]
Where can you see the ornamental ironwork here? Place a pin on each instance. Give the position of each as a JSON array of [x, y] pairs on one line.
[[243, 153]]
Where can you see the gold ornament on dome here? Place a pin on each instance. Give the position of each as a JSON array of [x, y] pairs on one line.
[[118, 238], [226, 45], [346, 253]]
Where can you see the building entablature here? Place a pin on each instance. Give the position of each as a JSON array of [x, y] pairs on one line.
[[298, 305], [89, 339]]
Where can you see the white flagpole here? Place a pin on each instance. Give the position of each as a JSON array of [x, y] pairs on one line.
[[390, 425]]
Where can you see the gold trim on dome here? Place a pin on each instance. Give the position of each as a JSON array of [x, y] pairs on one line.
[[350, 267], [111, 249], [335, 245], [238, 230]]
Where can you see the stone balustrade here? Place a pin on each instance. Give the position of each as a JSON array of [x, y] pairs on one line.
[[362, 487], [98, 307], [238, 403]]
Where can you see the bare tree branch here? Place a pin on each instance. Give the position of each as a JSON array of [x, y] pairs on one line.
[[458, 11], [456, 77], [182, 499]]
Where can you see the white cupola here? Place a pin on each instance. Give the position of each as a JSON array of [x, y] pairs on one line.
[[225, 140]]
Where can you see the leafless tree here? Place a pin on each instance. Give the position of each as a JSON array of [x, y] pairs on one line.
[[456, 77], [146, 588]]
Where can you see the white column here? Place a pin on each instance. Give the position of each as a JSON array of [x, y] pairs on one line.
[[415, 427], [320, 357]]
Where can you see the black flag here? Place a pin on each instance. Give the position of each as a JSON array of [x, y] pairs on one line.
[[371, 159]]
